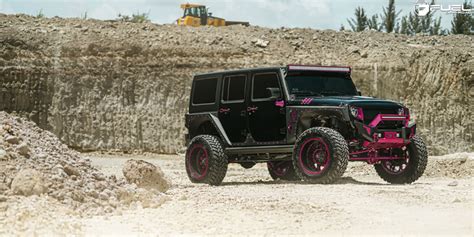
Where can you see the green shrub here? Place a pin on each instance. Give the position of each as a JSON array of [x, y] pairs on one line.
[[40, 14], [135, 18]]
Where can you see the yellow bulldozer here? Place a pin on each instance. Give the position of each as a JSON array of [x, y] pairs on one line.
[[198, 15]]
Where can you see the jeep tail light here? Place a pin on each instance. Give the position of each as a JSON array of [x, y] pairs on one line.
[[357, 112]]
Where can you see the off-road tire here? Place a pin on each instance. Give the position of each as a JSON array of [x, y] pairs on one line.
[[217, 160], [289, 175], [418, 159], [338, 155]]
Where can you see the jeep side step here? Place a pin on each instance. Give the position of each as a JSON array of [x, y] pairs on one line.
[[279, 149]]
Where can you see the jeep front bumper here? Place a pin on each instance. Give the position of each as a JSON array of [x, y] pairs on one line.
[[377, 138]]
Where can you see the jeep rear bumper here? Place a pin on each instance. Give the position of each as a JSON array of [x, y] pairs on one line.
[[377, 138]]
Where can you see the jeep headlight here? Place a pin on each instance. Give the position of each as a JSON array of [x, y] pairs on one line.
[[403, 111], [356, 112]]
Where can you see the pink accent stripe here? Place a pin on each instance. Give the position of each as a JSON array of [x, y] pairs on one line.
[[391, 117], [306, 101]]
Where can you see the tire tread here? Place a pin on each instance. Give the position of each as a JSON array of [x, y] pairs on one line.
[[413, 174], [217, 160], [340, 150]]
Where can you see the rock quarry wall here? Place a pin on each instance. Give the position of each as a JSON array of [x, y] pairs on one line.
[[105, 85]]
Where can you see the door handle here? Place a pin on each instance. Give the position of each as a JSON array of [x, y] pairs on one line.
[[280, 103], [224, 110], [252, 109]]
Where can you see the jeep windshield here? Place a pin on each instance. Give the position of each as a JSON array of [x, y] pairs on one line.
[[310, 83]]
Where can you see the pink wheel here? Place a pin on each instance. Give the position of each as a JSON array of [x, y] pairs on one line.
[[395, 167], [205, 160], [281, 170], [320, 155], [407, 170], [198, 162], [314, 156]]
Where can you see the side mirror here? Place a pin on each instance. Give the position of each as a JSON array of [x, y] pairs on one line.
[[359, 93], [274, 93]]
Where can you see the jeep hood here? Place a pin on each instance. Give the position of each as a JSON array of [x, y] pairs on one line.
[[358, 101]]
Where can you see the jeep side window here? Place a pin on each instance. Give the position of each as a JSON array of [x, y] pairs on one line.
[[265, 86], [205, 91], [233, 88]]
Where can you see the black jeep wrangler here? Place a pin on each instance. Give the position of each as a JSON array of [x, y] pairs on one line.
[[305, 122]]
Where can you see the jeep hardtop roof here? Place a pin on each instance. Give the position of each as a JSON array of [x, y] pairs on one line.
[[238, 71], [290, 67]]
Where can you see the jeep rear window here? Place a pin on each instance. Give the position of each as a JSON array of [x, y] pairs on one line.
[[233, 88], [308, 83], [205, 91]]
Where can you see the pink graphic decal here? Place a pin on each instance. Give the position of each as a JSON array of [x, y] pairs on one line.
[[280, 103], [306, 101]]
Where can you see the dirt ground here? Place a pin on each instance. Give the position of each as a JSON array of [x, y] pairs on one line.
[[250, 203]]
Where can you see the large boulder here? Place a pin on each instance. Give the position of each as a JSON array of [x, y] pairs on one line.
[[29, 182], [145, 175]]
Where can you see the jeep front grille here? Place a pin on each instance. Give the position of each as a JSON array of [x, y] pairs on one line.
[[390, 124], [370, 114]]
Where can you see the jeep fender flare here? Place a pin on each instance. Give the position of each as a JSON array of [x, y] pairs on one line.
[[205, 120], [317, 116]]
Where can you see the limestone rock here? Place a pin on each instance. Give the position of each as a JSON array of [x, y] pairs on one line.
[[23, 149], [453, 183], [3, 154], [29, 182], [145, 175], [71, 170], [12, 139], [260, 43]]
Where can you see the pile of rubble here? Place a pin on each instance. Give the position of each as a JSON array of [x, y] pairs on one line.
[[33, 162]]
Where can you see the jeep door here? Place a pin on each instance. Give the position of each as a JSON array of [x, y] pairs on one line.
[[232, 109], [265, 111]]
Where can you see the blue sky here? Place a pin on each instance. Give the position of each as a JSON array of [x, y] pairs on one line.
[[319, 14]]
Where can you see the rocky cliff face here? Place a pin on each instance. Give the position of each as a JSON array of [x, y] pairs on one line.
[[103, 85]]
